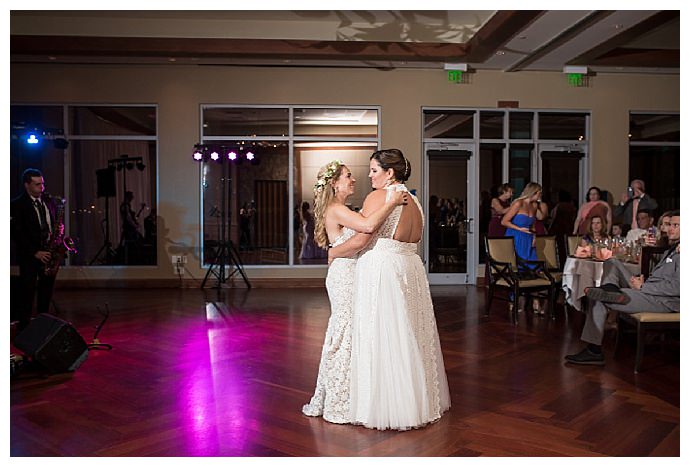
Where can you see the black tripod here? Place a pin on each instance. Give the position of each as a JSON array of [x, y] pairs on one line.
[[107, 246], [226, 254]]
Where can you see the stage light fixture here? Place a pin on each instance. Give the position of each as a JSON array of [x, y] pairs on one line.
[[198, 155], [140, 166], [60, 143], [32, 139], [214, 155], [250, 156], [232, 155]]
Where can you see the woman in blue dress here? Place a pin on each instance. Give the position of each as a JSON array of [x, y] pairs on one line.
[[519, 223]]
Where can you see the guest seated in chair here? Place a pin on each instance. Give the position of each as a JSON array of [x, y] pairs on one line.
[[597, 232], [645, 228], [631, 294]]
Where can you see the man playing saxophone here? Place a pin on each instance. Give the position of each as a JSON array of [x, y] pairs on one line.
[[31, 223]]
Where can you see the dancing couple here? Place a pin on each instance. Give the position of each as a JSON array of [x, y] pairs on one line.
[[381, 364]]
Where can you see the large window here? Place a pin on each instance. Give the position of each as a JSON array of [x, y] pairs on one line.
[[263, 206], [655, 156], [92, 156]]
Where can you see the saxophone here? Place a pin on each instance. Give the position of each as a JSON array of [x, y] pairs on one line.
[[58, 245]]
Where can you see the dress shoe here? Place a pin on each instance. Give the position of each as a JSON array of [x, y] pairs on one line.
[[602, 294], [586, 357]]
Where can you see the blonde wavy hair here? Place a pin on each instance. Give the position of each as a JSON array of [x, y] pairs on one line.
[[323, 195], [530, 189]]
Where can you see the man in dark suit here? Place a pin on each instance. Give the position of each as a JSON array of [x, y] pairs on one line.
[[31, 222], [632, 201], [631, 294]]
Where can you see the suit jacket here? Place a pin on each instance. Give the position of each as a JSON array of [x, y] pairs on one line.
[[663, 283], [25, 229], [625, 210]]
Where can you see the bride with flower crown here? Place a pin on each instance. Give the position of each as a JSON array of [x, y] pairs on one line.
[[397, 376], [334, 224]]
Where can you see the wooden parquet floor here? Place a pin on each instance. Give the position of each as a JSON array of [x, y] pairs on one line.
[[208, 373]]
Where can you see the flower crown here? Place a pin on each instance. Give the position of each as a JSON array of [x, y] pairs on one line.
[[327, 175]]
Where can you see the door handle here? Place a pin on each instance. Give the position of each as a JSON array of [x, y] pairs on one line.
[[469, 223]]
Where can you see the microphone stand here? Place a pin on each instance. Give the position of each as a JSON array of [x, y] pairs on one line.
[[95, 344]]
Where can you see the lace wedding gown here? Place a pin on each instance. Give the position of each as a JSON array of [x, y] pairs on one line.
[[331, 397], [398, 380]]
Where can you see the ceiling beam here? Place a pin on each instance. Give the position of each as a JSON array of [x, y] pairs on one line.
[[594, 55], [234, 48], [496, 32], [562, 38]]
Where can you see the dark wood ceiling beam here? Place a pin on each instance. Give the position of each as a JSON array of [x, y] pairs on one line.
[[234, 48], [652, 58], [592, 56], [496, 32], [562, 38]]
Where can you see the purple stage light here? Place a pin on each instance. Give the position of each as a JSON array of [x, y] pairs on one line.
[[250, 156], [197, 155], [232, 155], [214, 156]]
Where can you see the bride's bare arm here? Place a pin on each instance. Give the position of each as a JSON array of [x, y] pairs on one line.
[[375, 201], [350, 247], [359, 223]]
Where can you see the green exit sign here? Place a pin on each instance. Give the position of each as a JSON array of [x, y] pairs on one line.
[[576, 79], [455, 76]]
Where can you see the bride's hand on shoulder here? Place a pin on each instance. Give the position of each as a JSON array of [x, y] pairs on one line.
[[398, 198]]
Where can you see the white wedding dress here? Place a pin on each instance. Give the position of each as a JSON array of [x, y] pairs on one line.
[[398, 380], [331, 397]]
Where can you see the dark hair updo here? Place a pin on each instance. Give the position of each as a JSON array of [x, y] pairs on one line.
[[393, 159]]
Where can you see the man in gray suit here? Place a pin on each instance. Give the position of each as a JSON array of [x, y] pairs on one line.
[[625, 294], [632, 201]]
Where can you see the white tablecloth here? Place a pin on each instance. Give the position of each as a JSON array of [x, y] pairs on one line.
[[580, 273]]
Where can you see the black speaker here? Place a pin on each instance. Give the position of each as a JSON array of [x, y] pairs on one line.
[[105, 182], [53, 343]]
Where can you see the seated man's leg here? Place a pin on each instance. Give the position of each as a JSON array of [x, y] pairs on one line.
[[615, 277], [616, 273], [593, 330]]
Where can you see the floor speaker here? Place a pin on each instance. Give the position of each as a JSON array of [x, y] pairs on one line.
[[53, 343]]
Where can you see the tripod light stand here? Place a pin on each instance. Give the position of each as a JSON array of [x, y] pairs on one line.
[[225, 254]]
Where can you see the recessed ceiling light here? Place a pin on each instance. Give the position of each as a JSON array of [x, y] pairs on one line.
[[617, 26], [172, 59], [500, 52], [522, 38]]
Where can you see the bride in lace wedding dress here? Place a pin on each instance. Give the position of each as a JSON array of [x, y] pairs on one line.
[[397, 377], [334, 224]]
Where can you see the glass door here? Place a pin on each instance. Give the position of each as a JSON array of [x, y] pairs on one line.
[[561, 168], [451, 206]]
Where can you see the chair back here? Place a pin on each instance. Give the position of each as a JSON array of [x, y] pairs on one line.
[[501, 249], [649, 257], [547, 251], [571, 243]]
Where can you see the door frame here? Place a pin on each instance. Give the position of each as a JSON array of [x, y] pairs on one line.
[[471, 212], [583, 175]]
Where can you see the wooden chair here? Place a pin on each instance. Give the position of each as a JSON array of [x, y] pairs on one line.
[[547, 251], [647, 322], [571, 243], [503, 275]]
